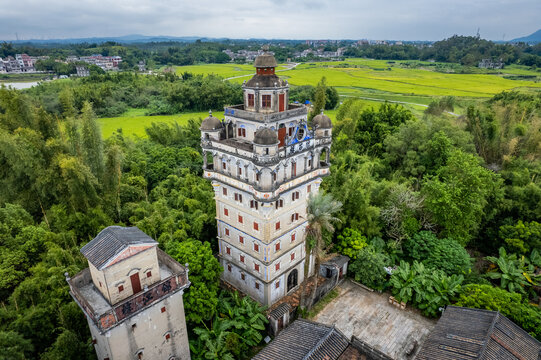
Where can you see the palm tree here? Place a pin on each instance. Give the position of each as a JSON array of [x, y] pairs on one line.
[[320, 210]]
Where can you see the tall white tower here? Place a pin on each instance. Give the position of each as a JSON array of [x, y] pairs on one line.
[[263, 161]]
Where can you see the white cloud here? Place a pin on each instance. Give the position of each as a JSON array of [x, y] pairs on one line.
[[301, 19]]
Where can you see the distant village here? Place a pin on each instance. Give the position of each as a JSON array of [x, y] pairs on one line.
[[23, 63]]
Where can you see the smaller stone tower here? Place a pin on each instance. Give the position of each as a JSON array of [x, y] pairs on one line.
[[131, 294]]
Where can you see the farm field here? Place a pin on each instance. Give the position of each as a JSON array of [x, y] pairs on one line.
[[373, 81], [134, 121], [385, 76]]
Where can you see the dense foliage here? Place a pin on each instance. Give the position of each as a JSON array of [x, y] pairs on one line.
[[61, 183]]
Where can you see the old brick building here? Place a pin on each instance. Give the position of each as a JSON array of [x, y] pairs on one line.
[[131, 294], [264, 160]]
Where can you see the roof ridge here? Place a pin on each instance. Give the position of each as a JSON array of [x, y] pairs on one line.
[[319, 343], [489, 333]]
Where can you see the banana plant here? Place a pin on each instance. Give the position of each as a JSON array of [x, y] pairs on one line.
[[514, 274]]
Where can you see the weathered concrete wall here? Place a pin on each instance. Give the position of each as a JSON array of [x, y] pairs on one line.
[[147, 332]]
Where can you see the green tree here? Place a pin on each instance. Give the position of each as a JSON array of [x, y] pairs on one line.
[[443, 254], [202, 297], [14, 347], [522, 237], [457, 195], [349, 242], [92, 142], [368, 267], [320, 215], [320, 98]]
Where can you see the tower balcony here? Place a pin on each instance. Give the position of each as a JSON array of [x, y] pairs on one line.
[[244, 149], [238, 111], [174, 277], [268, 193]]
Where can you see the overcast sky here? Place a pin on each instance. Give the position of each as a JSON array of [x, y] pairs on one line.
[[285, 19]]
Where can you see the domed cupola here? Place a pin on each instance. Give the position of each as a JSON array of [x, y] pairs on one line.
[[265, 65], [266, 136], [322, 125], [211, 123], [321, 121]]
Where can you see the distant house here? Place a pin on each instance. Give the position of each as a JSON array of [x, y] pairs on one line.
[[491, 64], [141, 65], [82, 71], [463, 333]]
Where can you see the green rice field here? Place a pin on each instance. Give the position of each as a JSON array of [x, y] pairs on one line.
[[413, 83], [134, 121]]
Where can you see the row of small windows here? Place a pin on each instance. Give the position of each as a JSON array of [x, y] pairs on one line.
[[255, 205], [265, 100], [257, 267]]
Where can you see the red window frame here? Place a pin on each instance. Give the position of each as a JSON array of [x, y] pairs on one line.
[[256, 226], [228, 250], [277, 247], [277, 267], [243, 276], [293, 237], [278, 225], [241, 239], [309, 189], [226, 212], [229, 267], [241, 220], [257, 285], [292, 256], [256, 247], [265, 101], [149, 273], [226, 231], [277, 285], [120, 288], [241, 258], [251, 99], [256, 267], [224, 191]]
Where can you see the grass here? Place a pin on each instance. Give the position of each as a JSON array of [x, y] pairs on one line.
[[134, 121], [223, 70], [23, 77], [373, 81], [333, 294]]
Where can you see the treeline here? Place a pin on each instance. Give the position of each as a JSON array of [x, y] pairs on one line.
[[451, 205], [111, 94], [465, 50], [60, 184]]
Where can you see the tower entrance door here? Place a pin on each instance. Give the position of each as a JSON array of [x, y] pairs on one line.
[[292, 280], [135, 283], [281, 102]]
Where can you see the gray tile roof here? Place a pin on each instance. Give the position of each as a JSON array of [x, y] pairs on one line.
[[111, 241], [305, 340], [471, 334], [280, 311]]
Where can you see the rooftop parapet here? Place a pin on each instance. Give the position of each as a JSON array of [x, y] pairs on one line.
[[239, 112], [174, 277]]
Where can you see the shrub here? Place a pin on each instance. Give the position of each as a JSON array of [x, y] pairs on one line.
[[367, 268], [443, 254]]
